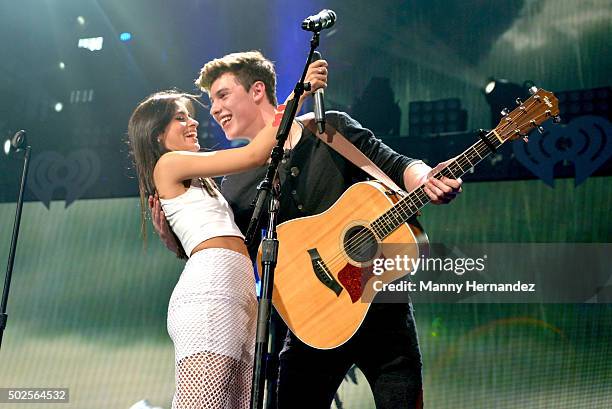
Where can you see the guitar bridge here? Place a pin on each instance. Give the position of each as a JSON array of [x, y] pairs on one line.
[[323, 273]]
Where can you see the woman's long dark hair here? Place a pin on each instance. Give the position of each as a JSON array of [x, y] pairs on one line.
[[147, 123]]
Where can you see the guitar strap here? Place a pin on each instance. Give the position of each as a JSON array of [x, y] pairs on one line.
[[340, 144]]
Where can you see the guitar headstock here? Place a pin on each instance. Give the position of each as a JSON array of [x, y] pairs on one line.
[[540, 106]]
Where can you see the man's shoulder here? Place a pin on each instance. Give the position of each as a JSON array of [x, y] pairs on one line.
[[328, 114], [240, 183], [338, 119]]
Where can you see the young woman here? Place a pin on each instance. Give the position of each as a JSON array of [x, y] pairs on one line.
[[212, 310]]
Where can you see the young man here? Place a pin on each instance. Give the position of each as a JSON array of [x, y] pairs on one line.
[[242, 88]]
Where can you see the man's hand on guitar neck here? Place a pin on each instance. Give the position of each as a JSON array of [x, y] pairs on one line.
[[161, 224], [439, 191]]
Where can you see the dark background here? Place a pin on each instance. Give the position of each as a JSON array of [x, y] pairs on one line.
[[385, 58], [88, 299]]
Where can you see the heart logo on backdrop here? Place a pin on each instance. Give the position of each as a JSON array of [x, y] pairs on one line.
[[75, 174], [586, 141]]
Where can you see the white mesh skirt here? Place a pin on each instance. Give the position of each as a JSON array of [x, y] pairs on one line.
[[211, 320]]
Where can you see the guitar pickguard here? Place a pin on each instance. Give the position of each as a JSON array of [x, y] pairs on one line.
[[354, 278]]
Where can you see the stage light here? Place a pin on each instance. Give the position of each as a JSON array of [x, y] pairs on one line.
[[81, 96], [125, 36], [501, 93], [16, 143], [497, 89], [61, 65], [81, 20], [58, 107], [490, 87], [91, 44]]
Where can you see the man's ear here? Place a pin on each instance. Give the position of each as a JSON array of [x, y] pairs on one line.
[[258, 91]]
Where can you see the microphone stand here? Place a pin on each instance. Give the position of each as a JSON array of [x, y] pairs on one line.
[[11, 258], [269, 192]]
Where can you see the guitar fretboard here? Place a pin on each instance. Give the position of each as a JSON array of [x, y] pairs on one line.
[[539, 107], [415, 200]]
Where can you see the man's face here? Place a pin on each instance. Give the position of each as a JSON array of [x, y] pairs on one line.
[[234, 108]]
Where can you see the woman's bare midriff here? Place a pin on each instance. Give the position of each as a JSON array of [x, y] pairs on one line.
[[225, 242]]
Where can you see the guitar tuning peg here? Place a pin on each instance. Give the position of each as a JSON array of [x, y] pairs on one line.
[[536, 126], [519, 101], [556, 119], [505, 112], [533, 90]]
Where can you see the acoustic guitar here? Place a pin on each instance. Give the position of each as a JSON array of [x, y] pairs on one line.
[[323, 282]]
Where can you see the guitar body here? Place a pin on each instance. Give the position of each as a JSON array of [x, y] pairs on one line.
[[323, 280], [322, 283]]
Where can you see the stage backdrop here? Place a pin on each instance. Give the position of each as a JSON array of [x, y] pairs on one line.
[[87, 308], [88, 301]]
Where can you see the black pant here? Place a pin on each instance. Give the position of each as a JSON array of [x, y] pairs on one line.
[[385, 348]]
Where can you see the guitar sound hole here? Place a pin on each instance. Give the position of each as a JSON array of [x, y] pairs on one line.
[[360, 244]]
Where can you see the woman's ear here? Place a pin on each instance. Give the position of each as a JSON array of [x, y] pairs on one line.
[[160, 141]]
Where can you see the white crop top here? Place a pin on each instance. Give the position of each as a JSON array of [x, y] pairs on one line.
[[195, 216]]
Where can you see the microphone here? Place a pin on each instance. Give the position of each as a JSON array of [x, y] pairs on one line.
[[325, 19], [319, 105]]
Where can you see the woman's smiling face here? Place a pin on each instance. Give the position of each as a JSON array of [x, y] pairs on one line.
[[181, 134]]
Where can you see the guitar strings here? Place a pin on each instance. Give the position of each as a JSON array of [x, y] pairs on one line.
[[411, 208], [479, 147], [360, 239], [419, 193]]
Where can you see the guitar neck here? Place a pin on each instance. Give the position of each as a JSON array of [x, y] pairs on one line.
[[538, 108], [415, 200]]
